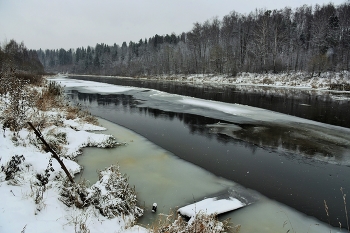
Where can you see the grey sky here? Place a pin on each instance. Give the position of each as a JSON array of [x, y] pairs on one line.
[[54, 24]]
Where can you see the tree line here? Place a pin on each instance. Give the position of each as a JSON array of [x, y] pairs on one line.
[[16, 56], [309, 38]]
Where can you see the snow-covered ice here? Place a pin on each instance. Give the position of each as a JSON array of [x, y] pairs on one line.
[[211, 206], [89, 86]]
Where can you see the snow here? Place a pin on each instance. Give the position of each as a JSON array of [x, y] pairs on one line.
[[291, 79], [75, 124], [223, 107], [211, 206], [29, 207], [18, 209], [89, 86]]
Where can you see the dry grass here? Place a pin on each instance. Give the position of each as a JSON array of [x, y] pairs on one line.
[[71, 112], [202, 223], [345, 209], [50, 97]]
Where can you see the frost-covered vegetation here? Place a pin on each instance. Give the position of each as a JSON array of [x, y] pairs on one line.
[[326, 80], [34, 189]]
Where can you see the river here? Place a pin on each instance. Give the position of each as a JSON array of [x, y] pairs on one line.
[[291, 160]]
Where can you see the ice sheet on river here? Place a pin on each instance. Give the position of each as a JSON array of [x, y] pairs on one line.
[[263, 128], [211, 206], [231, 199]]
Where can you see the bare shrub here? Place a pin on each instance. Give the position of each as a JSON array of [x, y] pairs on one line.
[[79, 221], [14, 114], [90, 119], [72, 112], [34, 79], [50, 97], [201, 223]]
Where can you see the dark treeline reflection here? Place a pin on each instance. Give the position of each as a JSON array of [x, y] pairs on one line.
[[196, 124], [266, 135], [312, 105]]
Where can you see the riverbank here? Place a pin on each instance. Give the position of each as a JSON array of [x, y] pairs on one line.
[[37, 194], [330, 81], [33, 186]]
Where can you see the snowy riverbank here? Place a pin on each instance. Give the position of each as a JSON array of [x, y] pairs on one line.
[[29, 202], [302, 80], [36, 194]]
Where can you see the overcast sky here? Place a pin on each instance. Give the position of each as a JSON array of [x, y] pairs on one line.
[[54, 24]]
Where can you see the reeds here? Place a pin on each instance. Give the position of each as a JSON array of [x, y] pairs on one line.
[[345, 209]]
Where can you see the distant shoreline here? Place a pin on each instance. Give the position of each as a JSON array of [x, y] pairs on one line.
[[295, 80]]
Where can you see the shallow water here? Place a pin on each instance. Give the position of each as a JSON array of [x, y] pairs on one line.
[[158, 175], [161, 177]]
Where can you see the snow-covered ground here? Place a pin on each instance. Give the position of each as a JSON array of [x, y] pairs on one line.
[[292, 79], [27, 205], [302, 80]]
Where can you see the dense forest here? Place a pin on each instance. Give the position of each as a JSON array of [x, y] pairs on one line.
[[314, 39], [17, 57]]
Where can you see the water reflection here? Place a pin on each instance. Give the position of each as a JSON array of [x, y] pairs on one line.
[[322, 106], [298, 138], [287, 138], [256, 162]]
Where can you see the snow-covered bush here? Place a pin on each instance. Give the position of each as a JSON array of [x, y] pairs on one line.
[[44, 178], [56, 140], [77, 194], [109, 142], [12, 167], [111, 195]]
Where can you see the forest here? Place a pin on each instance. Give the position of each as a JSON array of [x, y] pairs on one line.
[[17, 57], [311, 39]]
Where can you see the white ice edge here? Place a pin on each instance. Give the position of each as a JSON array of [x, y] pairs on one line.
[[211, 206], [91, 86]]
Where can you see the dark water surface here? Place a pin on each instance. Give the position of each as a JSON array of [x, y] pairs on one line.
[[300, 182], [318, 106]]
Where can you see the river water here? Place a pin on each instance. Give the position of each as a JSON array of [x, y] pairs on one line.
[[322, 106], [296, 162]]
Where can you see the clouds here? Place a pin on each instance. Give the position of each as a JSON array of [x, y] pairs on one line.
[[70, 24]]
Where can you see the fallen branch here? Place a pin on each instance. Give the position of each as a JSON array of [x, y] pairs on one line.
[[40, 136]]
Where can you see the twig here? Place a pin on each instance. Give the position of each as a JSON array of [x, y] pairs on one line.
[[346, 212], [24, 229]]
